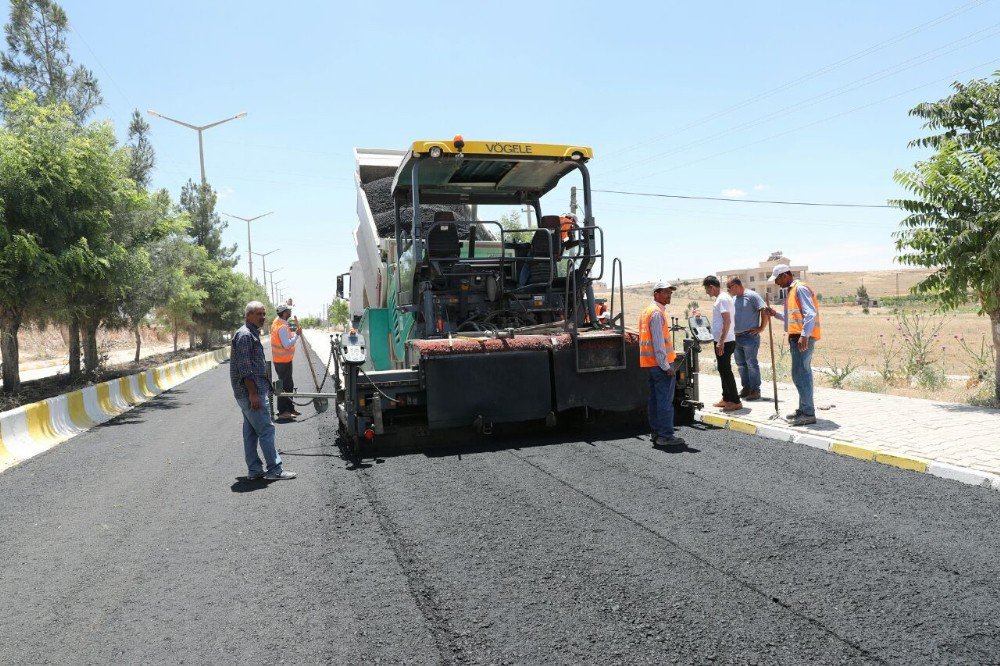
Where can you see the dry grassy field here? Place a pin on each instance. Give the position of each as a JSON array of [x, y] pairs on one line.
[[870, 342]]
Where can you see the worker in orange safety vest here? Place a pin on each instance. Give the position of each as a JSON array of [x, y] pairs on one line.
[[283, 341], [656, 353], [802, 324]]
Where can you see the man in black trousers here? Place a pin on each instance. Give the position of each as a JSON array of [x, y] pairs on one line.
[[724, 332]]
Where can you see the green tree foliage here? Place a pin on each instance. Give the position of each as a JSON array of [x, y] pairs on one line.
[[142, 156], [953, 221], [38, 59], [339, 313], [59, 184], [198, 201]]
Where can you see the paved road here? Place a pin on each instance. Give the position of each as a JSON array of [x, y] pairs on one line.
[[137, 542]]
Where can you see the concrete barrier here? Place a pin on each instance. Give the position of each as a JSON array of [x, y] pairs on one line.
[[31, 429]]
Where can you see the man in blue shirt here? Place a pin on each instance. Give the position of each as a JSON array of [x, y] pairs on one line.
[[751, 320], [248, 377]]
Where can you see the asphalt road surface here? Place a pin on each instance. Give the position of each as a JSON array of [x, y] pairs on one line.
[[138, 542]]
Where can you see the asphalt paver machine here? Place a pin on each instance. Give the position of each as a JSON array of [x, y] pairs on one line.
[[462, 323]]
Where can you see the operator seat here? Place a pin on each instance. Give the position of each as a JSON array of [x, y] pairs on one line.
[[443, 243]]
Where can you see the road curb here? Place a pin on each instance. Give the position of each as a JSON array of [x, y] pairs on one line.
[[31, 429], [857, 450]]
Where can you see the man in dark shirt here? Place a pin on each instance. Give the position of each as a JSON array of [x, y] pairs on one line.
[[248, 376]]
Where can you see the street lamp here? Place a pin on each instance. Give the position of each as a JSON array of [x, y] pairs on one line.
[[270, 275], [277, 290], [263, 262], [248, 220], [199, 129]]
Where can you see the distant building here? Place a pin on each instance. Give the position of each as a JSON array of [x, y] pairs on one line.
[[756, 278]]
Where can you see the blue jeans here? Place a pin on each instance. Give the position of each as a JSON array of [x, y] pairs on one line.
[[257, 427], [747, 347], [802, 375], [661, 402]]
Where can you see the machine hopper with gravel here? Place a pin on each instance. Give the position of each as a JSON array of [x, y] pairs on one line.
[[460, 322]]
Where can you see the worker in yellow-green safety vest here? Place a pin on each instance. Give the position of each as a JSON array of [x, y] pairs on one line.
[[802, 324], [656, 353], [283, 341]]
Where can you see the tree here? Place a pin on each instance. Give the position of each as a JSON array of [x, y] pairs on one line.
[[37, 59], [953, 221], [198, 201], [184, 297], [58, 184], [142, 156], [339, 313]]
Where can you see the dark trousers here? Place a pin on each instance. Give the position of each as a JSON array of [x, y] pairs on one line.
[[284, 371], [661, 402], [725, 364]]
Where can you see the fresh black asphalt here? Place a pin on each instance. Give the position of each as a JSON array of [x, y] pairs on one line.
[[137, 542]]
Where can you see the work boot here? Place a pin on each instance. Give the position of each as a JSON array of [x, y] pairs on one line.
[[794, 415], [753, 395], [803, 419], [670, 443], [654, 438], [744, 393], [732, 406]]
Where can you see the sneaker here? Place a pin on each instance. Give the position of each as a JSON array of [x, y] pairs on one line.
[[732, 406], [286, 415], [753, 395], [255, 476], [654, 438], [794, 415], [296, 412], [802, 419], [744, 393], [284, 476], [675, 442], [721, 403]]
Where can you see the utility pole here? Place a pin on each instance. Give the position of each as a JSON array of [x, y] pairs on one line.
[[277, 291], [270, 275], [248, 220], [263, 262], [199, 129], [527, 210], [572, 200]]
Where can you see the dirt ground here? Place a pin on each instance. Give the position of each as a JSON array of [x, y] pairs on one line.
[[42, 346]]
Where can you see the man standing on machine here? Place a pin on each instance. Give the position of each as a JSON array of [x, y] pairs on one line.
[[656, 354], [282, 352]]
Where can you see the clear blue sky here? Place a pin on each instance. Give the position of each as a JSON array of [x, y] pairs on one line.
[[777, 100]]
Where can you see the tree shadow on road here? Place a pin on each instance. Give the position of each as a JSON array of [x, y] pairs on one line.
[[164, 401]]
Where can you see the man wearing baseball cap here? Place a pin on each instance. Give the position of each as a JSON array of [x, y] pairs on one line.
[[282, 352], [656, 353], [802, 324]]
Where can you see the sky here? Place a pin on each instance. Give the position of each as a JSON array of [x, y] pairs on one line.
[[794, 101]]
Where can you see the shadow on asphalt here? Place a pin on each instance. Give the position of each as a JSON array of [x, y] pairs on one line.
[[318, 452], [135, 415], [245, 485]]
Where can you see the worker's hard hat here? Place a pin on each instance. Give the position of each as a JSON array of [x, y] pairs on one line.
[[778, 270], [660, 284], [282, 309]]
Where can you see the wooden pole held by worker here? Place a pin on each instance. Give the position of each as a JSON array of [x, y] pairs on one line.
[[774, 367]]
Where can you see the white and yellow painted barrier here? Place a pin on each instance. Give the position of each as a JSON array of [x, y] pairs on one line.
[[31, 429]]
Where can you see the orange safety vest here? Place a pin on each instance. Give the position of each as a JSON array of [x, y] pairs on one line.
[[796, 319], [565, 226], [280, 354], [647, 353]]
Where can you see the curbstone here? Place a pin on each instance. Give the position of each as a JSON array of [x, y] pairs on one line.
[[859, 452], [772, 432], [743, 426], [814, 441], [962, 474], [31, 429], [901, 462]]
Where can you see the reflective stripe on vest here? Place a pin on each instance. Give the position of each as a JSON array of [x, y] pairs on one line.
[[796, 318], [280, 354], [647, 353]]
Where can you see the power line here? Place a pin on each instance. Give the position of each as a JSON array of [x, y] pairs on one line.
[[851, 86], [749, 201], [811, 75], [950, 77]]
